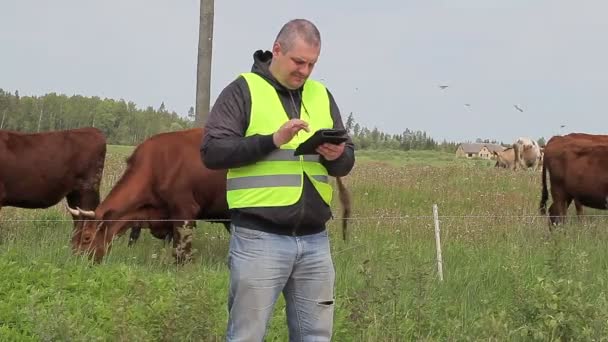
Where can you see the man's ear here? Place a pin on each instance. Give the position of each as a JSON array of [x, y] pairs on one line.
[[276, 49]]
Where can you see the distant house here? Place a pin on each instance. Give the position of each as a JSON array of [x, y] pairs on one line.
[[477, 150]]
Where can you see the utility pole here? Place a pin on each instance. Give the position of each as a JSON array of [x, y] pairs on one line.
[[203, 70], [40, 117], [3, 116]]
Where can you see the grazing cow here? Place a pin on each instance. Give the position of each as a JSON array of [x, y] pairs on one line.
[[37, 170], [577, 165], [527, 154], [165, 180], [505, 159]]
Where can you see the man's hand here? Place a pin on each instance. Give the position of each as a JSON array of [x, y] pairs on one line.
[[331, 151], [289, 129]]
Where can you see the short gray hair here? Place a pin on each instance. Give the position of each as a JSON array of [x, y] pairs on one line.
[[298, 28]]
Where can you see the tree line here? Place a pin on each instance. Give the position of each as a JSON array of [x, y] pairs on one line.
[[366, 138], [121, 121], [125, 124]]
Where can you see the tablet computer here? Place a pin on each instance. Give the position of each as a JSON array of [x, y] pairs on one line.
[[322, 136]]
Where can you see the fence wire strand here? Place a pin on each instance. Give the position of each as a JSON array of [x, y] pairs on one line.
[[356, 218]]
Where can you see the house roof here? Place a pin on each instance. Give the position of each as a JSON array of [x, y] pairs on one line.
[[476, 147]]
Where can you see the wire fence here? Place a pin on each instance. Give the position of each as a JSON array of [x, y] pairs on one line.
[[354, 218], [469, 228]]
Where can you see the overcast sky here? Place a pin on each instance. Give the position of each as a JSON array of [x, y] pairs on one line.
[[383, 60]]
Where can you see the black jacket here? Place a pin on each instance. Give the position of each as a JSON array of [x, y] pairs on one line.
[[224, 146]]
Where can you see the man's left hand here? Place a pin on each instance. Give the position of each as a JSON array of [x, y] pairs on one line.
[[331, 151]]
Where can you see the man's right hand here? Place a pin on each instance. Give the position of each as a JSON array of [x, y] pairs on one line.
[[288, 130]]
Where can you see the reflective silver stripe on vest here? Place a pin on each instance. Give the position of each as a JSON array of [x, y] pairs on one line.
[[311, 158], [287, 155], [251, 182], [323, 179]]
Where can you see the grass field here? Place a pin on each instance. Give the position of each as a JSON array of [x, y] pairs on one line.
[[506, 276]]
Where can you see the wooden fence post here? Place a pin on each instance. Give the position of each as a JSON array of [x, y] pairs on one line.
[[438, 242]]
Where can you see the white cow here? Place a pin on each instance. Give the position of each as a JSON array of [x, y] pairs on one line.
[[527, 154]]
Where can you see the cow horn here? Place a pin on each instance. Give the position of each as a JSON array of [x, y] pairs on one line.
[[86, 213], [74, 212]]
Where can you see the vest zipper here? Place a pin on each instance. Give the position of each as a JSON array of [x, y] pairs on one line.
[[301, 216]]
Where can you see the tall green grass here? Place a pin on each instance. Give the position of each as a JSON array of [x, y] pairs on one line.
[[505, 276]]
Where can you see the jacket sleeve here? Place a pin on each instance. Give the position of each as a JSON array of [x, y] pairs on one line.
[[342, 165], [224, 143]]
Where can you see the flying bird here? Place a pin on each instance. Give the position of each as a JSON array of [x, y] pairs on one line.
[[443, 87], [518, 108]]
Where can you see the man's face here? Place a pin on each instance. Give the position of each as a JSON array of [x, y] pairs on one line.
[[295, 66]]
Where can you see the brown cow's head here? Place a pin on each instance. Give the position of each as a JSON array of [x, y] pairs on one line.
[[504, 158], [500, 159], [92, 236]]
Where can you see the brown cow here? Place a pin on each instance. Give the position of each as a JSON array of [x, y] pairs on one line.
[[577, 165], [505, 159], [165, 179], [37, 170]]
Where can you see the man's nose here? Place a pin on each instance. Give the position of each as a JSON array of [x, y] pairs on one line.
[[305, 70]]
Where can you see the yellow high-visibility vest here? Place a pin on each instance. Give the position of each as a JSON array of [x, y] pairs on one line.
[[278, 179]]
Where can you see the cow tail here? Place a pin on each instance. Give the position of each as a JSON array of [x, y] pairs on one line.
[[345, 202], [544, 194]]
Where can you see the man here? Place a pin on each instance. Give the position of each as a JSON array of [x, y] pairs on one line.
[[279, 202]]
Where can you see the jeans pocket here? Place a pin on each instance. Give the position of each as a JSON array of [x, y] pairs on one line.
[[247, 233]]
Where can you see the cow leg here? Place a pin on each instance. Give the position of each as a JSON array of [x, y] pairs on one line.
[[168, 238], [2, 195], [134, 236], [555, 216], [568, 202], [563, 211], [579, 207], [559, 207], [162, 230], [579, 211]]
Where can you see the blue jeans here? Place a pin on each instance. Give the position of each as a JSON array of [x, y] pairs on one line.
[[264, 265]]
